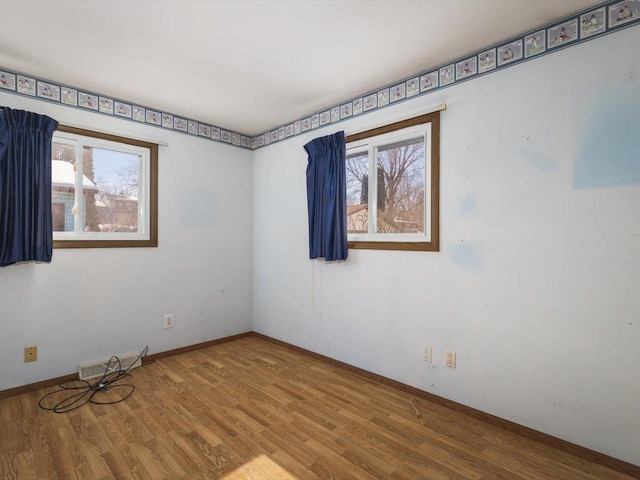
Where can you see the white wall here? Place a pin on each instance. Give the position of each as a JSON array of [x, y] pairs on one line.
[[91, 303], [536, 284]]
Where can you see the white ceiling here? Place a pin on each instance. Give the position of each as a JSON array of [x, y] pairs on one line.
[[251, 66]]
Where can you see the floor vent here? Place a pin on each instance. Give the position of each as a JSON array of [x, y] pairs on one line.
[[97, 369]]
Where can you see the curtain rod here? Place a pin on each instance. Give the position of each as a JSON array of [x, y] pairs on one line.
[[435, 108], [388, 127], [117, 134], [439, 108]]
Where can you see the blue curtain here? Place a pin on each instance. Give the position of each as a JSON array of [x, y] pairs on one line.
[[327, 197], [26, 232]]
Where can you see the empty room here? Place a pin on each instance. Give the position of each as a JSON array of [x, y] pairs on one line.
[[320, 239]]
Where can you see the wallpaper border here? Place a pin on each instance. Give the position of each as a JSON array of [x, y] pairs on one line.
[[574, 29], [83, 99], [582, 26]]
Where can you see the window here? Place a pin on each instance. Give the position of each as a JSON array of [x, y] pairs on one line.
[[104, 190], [393, 186]]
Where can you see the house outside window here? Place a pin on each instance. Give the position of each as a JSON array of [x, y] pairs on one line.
[[104, 190]]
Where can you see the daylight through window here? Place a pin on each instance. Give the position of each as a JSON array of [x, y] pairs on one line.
[[392, 186], [104, 190]]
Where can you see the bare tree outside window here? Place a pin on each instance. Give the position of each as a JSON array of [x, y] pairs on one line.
[[392, 180], [400, 189], [117, 180], [110, 197], [357, 193], [104, 190], [402, 192]]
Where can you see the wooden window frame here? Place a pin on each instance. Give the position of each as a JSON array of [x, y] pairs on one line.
[[433, 245], [152, 241]]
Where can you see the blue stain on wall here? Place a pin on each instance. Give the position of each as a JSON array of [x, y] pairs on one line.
[[468, 203], [469, 256], [539, 161], [610, 154]]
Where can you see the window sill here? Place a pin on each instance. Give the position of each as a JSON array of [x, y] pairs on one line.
[[104, 243], [406, 246]]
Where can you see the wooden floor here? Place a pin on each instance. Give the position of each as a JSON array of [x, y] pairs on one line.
[[249, 409]]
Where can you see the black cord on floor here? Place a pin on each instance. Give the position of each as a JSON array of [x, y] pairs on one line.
[[86, 392]]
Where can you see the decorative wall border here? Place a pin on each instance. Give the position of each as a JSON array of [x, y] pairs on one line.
[[603, 19], [82, 99], [571, 30]]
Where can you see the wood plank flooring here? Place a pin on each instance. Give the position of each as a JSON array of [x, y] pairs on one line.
[[249, 409]]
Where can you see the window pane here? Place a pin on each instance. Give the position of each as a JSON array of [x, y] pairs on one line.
[[111, 190], [357, 193], [401, 187], [63, 178]]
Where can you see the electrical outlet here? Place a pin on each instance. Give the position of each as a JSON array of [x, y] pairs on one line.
[[168, 321], [427, 354], [30, 353], [450, 359]]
